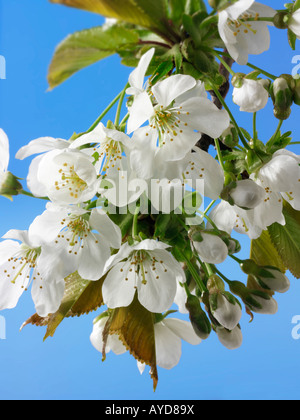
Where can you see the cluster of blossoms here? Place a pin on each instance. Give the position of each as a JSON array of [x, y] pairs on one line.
[[151, 167]]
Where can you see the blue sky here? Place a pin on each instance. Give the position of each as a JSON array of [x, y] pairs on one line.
[[267, 366]]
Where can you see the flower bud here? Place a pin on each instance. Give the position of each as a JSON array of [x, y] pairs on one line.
[[280, 20], [247, 194], [238, 80], [215, 284], [230, 137], [282, 96], [264, 304], [232, 340], [274, 279], [211, 249], [9, 185], [198, 317], [225, 309], [297, 91]]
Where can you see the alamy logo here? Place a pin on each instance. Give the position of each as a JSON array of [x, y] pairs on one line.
[[2, 67], [296, 69], [2, 328]]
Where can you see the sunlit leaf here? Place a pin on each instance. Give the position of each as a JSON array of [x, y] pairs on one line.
[[286, 239], [84, 48], [135, 327], [150, 14]]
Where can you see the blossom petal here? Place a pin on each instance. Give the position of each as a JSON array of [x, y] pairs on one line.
[[4, 151], [172, 87], [183, 329], [167, 345], [119, 286]]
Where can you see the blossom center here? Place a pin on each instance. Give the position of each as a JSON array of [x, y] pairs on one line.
[[70, 181], [22, 264], [167, 122], [242, 23]]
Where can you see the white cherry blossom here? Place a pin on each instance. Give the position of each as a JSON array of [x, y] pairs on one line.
[[179, 111], [242, 32], [85, 238], [24, 259], [67, 177], [282, 175], [41, 147], [146, 268]]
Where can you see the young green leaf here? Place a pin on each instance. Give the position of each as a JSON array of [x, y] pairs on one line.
[[84, 48]]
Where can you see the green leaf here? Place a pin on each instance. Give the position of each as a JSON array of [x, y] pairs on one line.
[[194, 6], [263, 252], [286, 239], [150, 14], [292, 39], [84, 48], [135, 326]]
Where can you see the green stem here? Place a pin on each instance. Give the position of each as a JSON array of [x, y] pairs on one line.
[[220, 157], [254, 128], [273, 138], [209, 269], [227, 67], [119, 109], [236, 259], [271, 76], [209, 207], [28, 194], [219, 96], [192, 270]]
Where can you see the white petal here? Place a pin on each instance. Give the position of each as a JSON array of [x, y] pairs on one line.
[[202, 114], [168, 346], [183, 329], [203, 166], [92, 258], [136, 78], [212, 249], [247, 194], [4, 151], [158, 294], [140, 112], [41, 145], [232, 340], [108, 230], [47, 296], [119, 286], [227, 314], [172, 87]]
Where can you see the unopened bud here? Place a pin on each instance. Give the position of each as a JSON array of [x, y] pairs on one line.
[[230, 137], [238, 80], [280, 20], [297, 91], [215, 284], [232, 340], [198, 317], [282, 96], [9, 185]]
